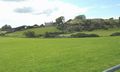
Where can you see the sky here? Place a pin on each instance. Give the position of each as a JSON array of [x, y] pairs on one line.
[[30, 12]]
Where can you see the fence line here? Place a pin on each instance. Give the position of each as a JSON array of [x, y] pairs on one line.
[[113, 69]]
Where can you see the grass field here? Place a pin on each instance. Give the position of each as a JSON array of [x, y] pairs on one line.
[[59, 55]]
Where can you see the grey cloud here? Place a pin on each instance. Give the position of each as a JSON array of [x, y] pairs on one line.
[[13, 0], [24, 10], [46, 12]]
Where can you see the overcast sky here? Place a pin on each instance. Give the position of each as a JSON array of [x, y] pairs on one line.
[[30, 12]]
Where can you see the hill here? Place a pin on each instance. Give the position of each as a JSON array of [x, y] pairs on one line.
[[36, 30], [100, 32], [102, 27]]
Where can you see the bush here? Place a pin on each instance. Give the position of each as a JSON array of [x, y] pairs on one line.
[[93, 35], [30, 34], [115, 34], [52, 34], [81, 35], [2, 34]]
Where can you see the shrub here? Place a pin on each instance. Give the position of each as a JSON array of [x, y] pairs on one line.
[[115, 34], [78, 35], [2, 34], [52, 34], [93, 35], [29, 34]]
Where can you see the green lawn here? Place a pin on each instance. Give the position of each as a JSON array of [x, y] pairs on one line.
[[59, 55]]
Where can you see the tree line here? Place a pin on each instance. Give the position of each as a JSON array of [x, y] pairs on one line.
[[9, 28], [80, 23]]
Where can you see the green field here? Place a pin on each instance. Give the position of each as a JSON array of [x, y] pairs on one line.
[[59, 55]]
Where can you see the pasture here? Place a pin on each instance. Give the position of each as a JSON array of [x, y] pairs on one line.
[[59, 55]]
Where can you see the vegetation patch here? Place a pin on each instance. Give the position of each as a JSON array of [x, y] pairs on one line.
[[30, 34], [82, 35], [52, 34], [115, 34]]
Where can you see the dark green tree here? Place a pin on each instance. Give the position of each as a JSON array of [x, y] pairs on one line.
[[82, 17], [119, 20], [60, 21], [7, 28]]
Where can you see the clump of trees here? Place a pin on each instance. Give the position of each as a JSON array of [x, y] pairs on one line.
[[7, 28], [80, 23]]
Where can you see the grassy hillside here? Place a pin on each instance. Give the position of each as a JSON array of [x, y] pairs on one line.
[[99, 32], [59, 55], [104, 32], [36, 30]]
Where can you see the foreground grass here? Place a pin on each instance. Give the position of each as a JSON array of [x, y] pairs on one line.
[[59, 55]]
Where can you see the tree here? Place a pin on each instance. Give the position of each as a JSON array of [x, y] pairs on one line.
[[29, 27], [112, 22], [119, 20], [60, 21], [82, 17], [35, 25], [20, 28], [42, 25], [7, 28]]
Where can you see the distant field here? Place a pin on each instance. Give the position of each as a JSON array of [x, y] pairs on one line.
[[59, 55], [36, 30]]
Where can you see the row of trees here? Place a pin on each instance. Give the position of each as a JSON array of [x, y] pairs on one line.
[[8, 28]]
